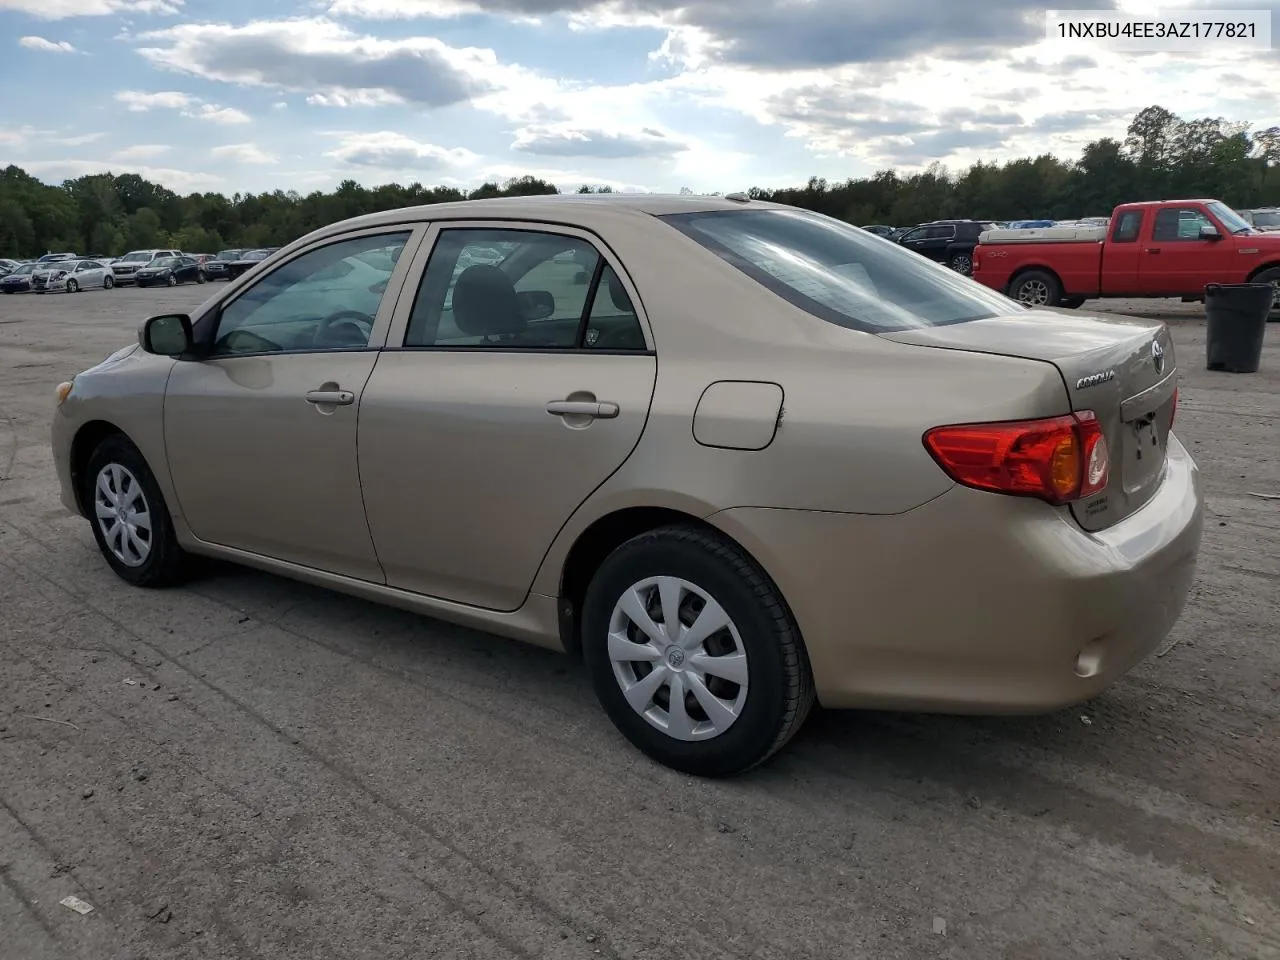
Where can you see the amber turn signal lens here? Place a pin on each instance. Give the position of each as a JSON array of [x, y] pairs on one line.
[[63, 390]]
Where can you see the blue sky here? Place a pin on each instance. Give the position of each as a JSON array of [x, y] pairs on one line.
[[713, 95]]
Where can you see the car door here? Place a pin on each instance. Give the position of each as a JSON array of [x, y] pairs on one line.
[[1176, 261], [89, 274], [1122, 254], [261, 433], [511, 387]]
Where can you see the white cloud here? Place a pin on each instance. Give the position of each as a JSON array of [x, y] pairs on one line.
[[243, 153], [66, 9], [48, 46], [390, 151], [326, 60], [570, 140], [139, 102], [141, 151], [181, 181], [19, 138], [224, 116]]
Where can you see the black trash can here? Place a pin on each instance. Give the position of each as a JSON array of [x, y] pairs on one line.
[[1237, 315]]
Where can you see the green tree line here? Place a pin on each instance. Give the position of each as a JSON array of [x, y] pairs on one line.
[[1161, 156]]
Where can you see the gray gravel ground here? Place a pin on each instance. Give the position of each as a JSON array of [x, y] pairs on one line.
[[298, 774]]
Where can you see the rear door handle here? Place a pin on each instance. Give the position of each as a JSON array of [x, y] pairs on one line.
[[582, 408], [338, 397], [1153, 249]]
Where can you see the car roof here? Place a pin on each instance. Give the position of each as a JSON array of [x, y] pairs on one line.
[[576, 209]]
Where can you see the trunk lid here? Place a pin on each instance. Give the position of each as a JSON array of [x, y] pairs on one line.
[[1124, 370]]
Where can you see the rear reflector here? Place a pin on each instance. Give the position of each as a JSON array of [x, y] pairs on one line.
[[1058, 460], [1173, 410]]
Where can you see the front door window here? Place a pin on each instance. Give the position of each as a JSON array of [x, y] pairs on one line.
[[326, 299]]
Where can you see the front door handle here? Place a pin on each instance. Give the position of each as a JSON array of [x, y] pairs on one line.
[[1153, 249], [582, 408], [337, 397]]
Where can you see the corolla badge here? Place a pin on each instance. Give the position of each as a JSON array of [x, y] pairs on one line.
[[1157, 356], [1094, 379]]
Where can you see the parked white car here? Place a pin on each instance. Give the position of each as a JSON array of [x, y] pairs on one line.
[[72, 276]]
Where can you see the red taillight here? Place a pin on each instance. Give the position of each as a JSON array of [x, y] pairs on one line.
[[1173, 409], [1058, 460]]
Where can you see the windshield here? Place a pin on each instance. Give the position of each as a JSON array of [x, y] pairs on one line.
[[840, 273], [1228, 217], [1269, 218], [257, 254], [165, 262], [139, 257], [229, 255], [24, 269]]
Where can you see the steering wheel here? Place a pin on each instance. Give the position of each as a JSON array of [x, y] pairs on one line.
[[352, 327]]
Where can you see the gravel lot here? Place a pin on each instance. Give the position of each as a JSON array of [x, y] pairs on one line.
[[298, 774]]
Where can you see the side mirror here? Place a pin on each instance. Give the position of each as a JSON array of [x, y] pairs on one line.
[[168, 335], [1209, 233]]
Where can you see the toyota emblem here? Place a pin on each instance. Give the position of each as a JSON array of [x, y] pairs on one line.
[[1157, 355]]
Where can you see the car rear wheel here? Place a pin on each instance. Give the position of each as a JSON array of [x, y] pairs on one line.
[[130, 520], [1036, 288], [73, 287], [694, 654], [962, 263], [108, 283]]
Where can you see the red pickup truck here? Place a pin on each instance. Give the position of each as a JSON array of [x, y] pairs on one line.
[[1169, 248]]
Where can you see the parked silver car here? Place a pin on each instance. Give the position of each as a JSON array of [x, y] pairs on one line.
[[72, 276]]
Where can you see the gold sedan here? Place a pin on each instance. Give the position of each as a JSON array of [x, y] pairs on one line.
[[738, 456]]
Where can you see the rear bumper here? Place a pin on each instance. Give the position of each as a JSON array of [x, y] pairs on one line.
[[980, 603]]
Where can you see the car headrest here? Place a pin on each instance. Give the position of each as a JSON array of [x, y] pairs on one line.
[[485, 303]]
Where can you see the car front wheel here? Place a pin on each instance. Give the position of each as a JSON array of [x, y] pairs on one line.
[[693, 653], [173, 280], [130, 520]]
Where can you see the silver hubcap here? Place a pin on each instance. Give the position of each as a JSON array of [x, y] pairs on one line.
[[678, 658], [1033, 292], [122, 513]]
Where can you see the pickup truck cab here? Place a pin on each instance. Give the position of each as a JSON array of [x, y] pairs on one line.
[[1168, 248]]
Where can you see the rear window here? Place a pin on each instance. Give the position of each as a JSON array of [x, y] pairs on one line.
[[840, 273]]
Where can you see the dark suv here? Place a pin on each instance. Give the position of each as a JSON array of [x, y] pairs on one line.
[[947, 241]]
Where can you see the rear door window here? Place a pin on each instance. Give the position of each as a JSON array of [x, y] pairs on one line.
[[839, 273]]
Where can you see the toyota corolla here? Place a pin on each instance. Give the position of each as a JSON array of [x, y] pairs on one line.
[[739, 457]]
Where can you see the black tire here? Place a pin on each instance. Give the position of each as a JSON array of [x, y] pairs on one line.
[[1272, 276], [1036, 288], [72, 286], [780, 691], [1072, 303], [7, 290], [961, 263], [108, 283], [166, 563], [173, 280]]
